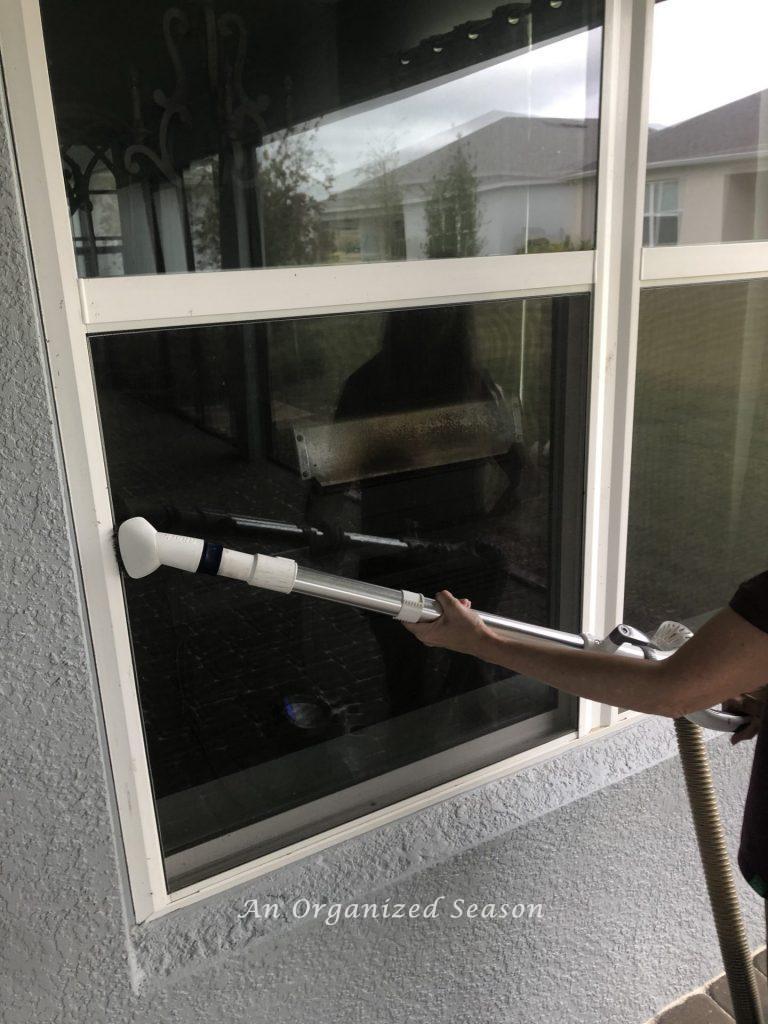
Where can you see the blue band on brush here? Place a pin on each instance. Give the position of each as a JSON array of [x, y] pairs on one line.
[[210, 560]]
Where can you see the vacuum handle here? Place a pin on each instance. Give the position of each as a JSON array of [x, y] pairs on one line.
[[719, 721]]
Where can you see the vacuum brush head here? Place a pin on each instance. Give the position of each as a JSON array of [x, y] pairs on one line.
[[142, 549], [137, 544]]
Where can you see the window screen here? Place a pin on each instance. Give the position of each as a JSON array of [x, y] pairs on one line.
[[699, 466]]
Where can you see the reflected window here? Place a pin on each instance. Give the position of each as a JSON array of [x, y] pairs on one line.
[[301, 133], [418, 449], [699, 488], [661, 217], [711, 137], [94, 207]]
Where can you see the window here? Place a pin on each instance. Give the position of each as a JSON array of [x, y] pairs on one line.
[[277, 717], [661, 219], [283, 239], [708, 131], [699, 469], [698, 493], [289, 143], [297, 133], [93, 204]]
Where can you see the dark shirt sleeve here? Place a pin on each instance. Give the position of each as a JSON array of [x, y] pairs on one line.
[[751, 601]]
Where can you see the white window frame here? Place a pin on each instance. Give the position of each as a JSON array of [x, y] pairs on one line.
[[72, 308]]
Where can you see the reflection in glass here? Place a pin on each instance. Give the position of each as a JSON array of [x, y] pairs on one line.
[[418, 449], [707, 177], [272, 134], [700, 462], [661, 218]]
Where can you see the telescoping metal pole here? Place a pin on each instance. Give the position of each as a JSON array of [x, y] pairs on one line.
[[406, 606], [143, 549]]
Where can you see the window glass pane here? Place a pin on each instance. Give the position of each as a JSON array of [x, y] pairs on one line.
[[666, 231], [699, 461], [711, 134], [667, 196], [418, 449], [296, 132]]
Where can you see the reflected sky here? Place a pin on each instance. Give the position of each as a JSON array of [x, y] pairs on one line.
[[559, 79], [706, 53]]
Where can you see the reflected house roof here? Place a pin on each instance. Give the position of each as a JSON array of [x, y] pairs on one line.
[[503, 149], [737, 129], [513, 149]]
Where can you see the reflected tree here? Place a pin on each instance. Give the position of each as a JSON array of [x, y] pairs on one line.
[[294, 180], [451, 210], [385, 197]]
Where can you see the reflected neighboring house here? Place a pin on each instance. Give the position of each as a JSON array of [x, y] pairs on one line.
[[529, 172], [707, 181], [708, 176]]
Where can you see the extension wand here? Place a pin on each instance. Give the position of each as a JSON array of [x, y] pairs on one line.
[[143, 549]]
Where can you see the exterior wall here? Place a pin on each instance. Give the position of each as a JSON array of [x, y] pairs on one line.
[[599, 837], [503, 211], [719, 201]]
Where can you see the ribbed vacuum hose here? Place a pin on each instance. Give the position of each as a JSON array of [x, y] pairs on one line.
[[718, 873]]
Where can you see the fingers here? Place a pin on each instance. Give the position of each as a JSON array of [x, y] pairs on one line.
[[448, 603], [419, 629], [746, 704], [745, 732]]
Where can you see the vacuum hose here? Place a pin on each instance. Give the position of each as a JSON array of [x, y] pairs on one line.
[[731, 933]]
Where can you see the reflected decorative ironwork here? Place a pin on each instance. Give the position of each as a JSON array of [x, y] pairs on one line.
[[174, 106], [226, 81], [239, 106]]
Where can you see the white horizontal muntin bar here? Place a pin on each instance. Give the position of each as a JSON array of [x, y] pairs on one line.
[[715, 261], [153, 301]]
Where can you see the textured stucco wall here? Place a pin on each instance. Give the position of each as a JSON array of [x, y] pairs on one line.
[[600, 837]]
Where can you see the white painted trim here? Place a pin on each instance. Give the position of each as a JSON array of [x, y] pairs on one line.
[[122, 303], [692, 264], [621, 189], [386, 815], [45, 202], [367, 823]]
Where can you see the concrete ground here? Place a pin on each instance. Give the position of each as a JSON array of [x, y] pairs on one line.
[[712, 1004]]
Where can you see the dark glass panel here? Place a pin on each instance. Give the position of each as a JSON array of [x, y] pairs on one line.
[[418, 449], [297, 132]]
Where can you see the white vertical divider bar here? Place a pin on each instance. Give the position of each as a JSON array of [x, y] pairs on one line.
[[621, 185], [37, 153]]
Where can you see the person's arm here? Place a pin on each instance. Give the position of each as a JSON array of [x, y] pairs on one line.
[[728, 656]]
